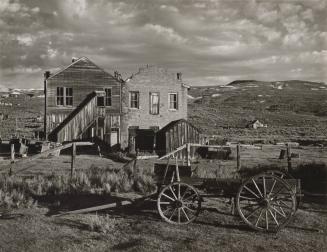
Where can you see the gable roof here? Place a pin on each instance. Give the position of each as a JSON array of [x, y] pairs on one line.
[[75, 62]]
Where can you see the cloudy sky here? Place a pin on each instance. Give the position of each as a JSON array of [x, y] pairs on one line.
[[211, 42]]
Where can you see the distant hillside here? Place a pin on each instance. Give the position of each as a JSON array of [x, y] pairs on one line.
[[292, 109]]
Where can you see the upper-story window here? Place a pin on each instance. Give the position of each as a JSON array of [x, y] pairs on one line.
[[154, 103], [134, 97], [64, 96], [108, 98], [173, 101]]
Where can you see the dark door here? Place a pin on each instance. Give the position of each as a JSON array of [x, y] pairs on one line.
[[144, 140]]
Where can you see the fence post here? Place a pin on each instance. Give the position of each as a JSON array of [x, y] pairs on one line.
[[289, 157], [188, 154], [238, 156], [73, 159], [12, 153]]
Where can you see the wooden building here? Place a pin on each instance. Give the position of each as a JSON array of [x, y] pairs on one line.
[[176, 134], [82, 101]]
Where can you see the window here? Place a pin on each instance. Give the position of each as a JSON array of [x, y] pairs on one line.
[[134, 99], [60, 96], [173, 101], [69, 97], [108, 96], [64, 96], [154, 103]]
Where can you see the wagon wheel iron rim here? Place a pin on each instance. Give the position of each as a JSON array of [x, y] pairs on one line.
[[266, 202], [179, 203]]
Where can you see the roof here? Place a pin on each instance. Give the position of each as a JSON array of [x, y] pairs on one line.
[[76, 61], [173, 123]]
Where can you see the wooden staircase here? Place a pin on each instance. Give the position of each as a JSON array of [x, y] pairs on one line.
[[79, 120]]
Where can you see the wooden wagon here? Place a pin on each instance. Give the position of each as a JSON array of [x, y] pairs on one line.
[[265, 202]]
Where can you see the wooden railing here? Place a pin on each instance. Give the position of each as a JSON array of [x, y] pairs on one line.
[[78, 120]]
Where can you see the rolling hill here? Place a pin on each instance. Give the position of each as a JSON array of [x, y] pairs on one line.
[[293, 110]]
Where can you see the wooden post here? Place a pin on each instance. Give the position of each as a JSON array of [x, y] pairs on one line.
[[12, 157], [289, 158], [12, 153], [238, 156], [73, 159], [188, 154], [135, 162]]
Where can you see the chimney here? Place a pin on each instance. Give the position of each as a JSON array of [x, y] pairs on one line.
[[74, 59], [47, 74], [179, 76]]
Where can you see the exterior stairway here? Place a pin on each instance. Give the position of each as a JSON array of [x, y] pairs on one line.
[[79, 120]]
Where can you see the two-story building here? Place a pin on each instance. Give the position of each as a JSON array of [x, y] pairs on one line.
[[82, 101], [153, 97]]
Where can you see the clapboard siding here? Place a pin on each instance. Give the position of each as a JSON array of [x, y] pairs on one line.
[[84, 77], [176, 134]]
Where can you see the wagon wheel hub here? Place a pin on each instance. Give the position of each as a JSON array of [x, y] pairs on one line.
[[178, 204], [265, 203]]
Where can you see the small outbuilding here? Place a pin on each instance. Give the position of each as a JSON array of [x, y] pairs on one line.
[[176, 134], [256, 124]]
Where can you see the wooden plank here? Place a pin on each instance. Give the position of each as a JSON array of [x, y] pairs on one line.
[[173, 152], [96, 208]]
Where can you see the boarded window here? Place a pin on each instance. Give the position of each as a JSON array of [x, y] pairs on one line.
[[154, 103], [64, 96], [134, 99], [173, 101], [108, 96]]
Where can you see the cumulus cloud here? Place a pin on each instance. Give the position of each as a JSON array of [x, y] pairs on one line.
[[212, 41]]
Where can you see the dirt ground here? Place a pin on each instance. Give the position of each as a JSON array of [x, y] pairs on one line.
[[140, 229]]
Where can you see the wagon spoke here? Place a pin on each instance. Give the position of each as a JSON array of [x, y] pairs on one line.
[[286, 206], [185, 214], [252, 213], [184, 194], [164, 203], [257, 221], [248, 189], [179, 215], [273, 217], [277, 193], [247, 198], [168, 209], [264, 186], [256, 186], [267, 221], [172, 214], [171, 189], [281, 214], [179, 191], [272, 187], [168, 197], [189, 197], [249, 207], [191, 210]]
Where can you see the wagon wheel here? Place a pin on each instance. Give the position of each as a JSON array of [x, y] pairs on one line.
[[280, 174], [286, 175], [179, 203], [266, 202]]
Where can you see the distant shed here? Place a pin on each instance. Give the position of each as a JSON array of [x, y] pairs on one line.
[[176, 134]]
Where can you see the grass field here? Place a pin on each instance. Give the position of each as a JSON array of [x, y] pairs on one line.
[[32, 227], [293, 110]]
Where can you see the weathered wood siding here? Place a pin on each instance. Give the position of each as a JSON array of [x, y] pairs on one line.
[[84, 77], [176, 134]]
